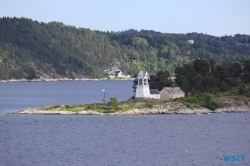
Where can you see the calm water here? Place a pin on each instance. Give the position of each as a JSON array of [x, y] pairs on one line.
[[20, 95], [57, 140]]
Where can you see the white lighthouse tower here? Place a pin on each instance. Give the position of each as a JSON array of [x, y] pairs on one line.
[[142, 88]]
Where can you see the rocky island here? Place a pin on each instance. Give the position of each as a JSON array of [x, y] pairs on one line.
[[142, 107]]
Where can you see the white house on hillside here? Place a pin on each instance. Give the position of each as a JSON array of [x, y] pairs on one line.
[[118, 72], [107, 72], [190, 41]]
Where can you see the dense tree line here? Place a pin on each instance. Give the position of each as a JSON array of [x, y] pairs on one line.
[[160, 80], [204, 76], [31, 49]]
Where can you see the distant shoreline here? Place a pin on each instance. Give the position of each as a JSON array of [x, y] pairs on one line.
[[65, 79]]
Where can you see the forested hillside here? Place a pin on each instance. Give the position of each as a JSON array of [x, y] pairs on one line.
[[203, 76], [31, 49]]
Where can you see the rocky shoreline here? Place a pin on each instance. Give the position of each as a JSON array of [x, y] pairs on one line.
[[167, 108], [137, 111], [65, 79]]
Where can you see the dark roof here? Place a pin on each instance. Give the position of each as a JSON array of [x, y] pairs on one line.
[[175, 90], [154, 91]]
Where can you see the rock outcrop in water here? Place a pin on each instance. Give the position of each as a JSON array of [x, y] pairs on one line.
[[136, 111], [58, 112], [169, 108]]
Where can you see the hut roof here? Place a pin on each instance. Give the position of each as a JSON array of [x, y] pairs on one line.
[[174, 90], [154, 91]]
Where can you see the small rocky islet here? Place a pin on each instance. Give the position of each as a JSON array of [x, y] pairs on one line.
[[170, 107]]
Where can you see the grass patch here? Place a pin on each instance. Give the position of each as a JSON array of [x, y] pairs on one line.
[[73, 107], [109, 107], [53, 107], [201, 100]]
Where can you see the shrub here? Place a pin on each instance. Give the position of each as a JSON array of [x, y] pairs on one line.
[[242, 90], [212, 105], [193, 100], [223, 86], [218, 95], [148, 105], [209, 103], [207, 98], [92, 106], [188, 105], [113, 102], [69, 106]]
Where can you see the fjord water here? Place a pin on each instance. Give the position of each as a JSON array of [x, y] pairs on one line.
[[112, 140], [15, 96]]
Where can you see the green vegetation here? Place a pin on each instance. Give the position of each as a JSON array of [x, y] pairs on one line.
[[203, 76], [31, 49], [206, 86], [114, 106], [73, 107], [204, 82], [200, 100], [67, 107], [110, 107], [51, 107], [209, 68], [204, 100], [160, 80]]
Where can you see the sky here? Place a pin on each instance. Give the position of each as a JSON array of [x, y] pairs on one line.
[[213, 17]]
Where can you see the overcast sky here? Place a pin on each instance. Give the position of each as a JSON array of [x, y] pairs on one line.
[[213, 17]]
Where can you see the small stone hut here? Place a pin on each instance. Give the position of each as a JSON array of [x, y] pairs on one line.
[[168, 93]]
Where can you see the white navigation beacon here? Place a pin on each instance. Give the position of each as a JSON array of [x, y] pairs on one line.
[[142, 88]]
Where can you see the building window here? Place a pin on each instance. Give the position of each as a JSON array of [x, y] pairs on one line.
[[140, 81]]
